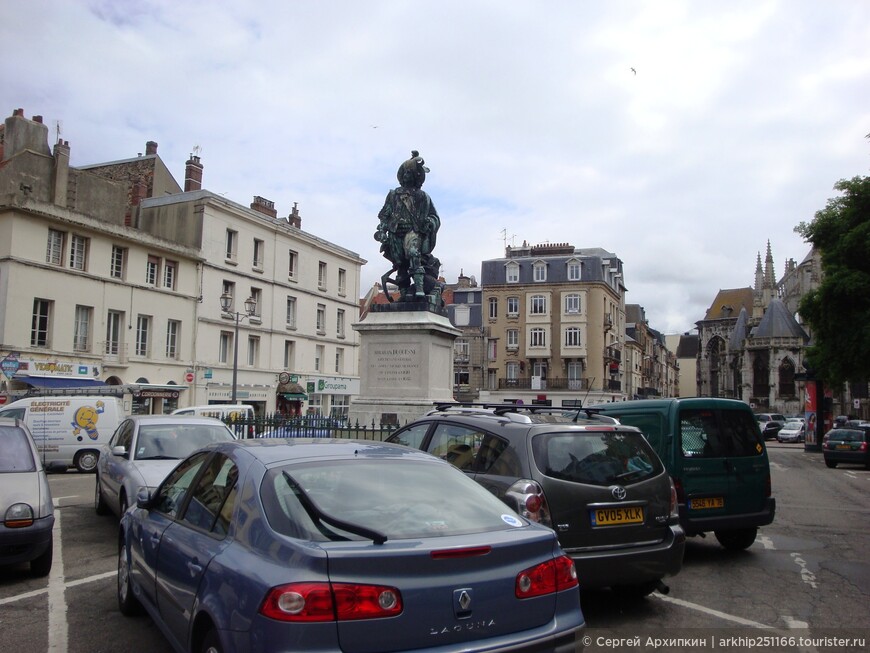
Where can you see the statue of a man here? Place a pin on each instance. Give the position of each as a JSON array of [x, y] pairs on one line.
[[407, 229]]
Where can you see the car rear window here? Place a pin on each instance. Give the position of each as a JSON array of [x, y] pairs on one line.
[[847, 435], [706, 433], [397, 498], [596, 457], [15, 452]]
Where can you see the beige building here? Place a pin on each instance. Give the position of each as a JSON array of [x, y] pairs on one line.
[[113, 274], [555, 317]]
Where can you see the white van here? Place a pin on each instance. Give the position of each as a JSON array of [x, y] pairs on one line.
[[220, 411], [68, 430]]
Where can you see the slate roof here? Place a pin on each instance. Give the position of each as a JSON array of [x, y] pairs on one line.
[[778, 322], [728, 303]]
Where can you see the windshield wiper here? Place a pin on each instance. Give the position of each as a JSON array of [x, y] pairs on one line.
[[318, 515], [627, 475]]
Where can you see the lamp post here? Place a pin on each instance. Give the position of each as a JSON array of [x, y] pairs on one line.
[[227, 308]]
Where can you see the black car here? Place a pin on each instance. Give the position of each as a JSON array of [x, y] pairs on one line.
[[849, 444], [597, 483], [770, 424]]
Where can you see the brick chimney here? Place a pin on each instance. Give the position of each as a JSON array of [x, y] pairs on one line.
[[192, 174], [150, 148], [264, 206], [294, 218], [61, 173], [21, 134]]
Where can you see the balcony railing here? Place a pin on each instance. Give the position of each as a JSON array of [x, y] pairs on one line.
[[114, 353], [612, 354], [546, 384]]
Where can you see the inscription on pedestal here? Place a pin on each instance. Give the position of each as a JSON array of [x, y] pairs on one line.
[[395, 365]]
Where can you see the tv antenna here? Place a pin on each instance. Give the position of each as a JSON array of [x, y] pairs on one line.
[[505, 238]]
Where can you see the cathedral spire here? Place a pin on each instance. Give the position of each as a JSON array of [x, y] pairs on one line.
[[769, 274], [758, 274]]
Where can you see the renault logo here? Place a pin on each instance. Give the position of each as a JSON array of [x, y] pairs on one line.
[[462, 600], [618, 492]]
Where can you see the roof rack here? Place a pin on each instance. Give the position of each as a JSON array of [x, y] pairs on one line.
[[506, 408]]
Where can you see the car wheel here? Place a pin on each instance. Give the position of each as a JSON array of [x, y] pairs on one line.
[[635, 592], [211, 643], [99, 503], [128, 604], [830, 463], [40, 566], [738, 539], [86, 461]]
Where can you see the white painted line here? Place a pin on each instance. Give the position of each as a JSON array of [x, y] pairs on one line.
[[58, 631], [795, 624], [712, 612], [766, 542], [806, 575], [44, 590]]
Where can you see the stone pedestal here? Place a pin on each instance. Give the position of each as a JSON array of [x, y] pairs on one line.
[[406, 365]]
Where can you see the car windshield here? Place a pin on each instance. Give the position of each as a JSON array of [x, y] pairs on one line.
[[396, 499], [793, 424], [15, 452], [176, 441], [596, 458]]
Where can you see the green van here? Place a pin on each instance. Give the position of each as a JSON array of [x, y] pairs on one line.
[[716, 456]]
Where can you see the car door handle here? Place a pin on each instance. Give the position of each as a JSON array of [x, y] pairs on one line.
[[194, 568]]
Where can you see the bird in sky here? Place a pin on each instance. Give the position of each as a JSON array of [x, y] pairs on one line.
[[634, 71]]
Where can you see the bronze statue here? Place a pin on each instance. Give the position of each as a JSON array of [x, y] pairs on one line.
[[407, 229]]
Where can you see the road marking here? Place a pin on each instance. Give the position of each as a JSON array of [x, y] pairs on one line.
[[712, 612], [766, 542], [795, 624], [806, 575], [66, 586], [58, 628]]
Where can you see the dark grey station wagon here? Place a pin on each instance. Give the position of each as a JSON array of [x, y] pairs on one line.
[[597, 483]]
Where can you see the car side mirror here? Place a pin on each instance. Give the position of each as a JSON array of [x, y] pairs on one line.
[[119, 451], [143, 498]]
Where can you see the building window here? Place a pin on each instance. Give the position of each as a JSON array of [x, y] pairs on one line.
[[54, 247], [513, 371], [170, 272], [257, 296], [572, 303], [342, 282], [492, 379], [318, 358], [321, 319], [513, 306], [292, 263], [539, 368], [493, 308], [339, 360], [253, 351], [538, 337], [340, 405], [512, 273], [321, 275], [460, 377], [225, 346], [786, 379], [573, 271], [289, 354], [232, 245], [41, 324], [513, 339], [118, 265], [173, 329], [461, 315], [538, 305], [572, 337], [78, 253], [339, 323], [143, 331], [575, 374], [114, 332], [460, 349], [315, 402], [259, 253], [152, 270], [82, 328], [291, 312], [540, 271], [492, 349]]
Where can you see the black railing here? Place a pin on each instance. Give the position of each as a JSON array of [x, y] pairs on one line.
[[546, 384], [307, 426]]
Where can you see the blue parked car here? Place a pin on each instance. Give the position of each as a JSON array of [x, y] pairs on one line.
[[341, 545]]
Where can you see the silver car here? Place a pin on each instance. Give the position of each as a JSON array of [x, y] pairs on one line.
[[794, 430], [26, 507], [144, 450]]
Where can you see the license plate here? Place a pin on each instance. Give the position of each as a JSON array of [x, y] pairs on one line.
[[706, 503], [844, 446], [616, 516]]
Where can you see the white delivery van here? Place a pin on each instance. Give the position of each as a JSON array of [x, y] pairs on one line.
[[68, 430], [227, 413]]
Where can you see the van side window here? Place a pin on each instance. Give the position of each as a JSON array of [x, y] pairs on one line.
[[651, 426], [699, 434], [741, 431]]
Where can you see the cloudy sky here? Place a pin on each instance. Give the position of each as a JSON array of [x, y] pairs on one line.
[[680, 135]]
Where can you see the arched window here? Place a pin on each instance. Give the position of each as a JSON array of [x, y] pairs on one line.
[[786, 378], [760, 376]]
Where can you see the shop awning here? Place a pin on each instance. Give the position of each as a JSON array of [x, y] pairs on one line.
[[59, 382], [292, 391]]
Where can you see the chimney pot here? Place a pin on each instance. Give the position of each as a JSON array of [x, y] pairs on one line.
[[18, 112], [150, 148]]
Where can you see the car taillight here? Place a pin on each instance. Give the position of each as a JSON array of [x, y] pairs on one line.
[[546, 578], [862, 446], [529, 501], [330, 602], [674, 509], [681, 492]]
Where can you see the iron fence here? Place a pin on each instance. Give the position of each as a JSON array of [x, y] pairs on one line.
[[307, 426]]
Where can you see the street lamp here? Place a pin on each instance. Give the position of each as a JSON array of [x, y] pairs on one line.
[[227, 308]]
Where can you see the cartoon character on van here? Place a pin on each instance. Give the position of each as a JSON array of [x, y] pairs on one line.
[[86, 418]]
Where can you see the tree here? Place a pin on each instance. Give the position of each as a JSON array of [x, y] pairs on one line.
[[838, 311]]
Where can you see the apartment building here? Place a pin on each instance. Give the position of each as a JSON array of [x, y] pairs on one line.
[[111, 274], [555, 316]]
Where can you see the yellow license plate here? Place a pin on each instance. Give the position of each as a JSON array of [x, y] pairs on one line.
[[617, 516], [844, 446], [706, 503]]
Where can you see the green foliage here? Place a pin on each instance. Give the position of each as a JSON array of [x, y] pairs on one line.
[[838, 311]]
